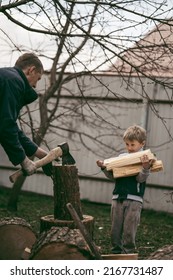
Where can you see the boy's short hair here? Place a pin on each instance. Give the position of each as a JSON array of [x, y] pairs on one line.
[[29, 59], [135, 132]]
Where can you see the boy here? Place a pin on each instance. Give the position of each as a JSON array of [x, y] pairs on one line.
[[128, 195]]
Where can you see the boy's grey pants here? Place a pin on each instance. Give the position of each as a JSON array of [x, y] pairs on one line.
[[125, 217]]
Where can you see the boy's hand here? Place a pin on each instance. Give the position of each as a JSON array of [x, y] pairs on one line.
[[100, 164], [146, 163]]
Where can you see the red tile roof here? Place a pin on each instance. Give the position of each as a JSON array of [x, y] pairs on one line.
[[151, 56]]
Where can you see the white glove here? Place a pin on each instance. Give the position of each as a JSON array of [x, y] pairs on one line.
[[28, 166]]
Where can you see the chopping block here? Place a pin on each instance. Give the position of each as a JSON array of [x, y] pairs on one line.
[[66, 190], [58, 232]]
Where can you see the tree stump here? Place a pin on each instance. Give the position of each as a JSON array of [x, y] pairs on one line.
[[164, 253], [60, 243], [66, 190], [48, 221]]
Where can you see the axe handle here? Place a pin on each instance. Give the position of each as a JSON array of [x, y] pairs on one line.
[[52, 155]]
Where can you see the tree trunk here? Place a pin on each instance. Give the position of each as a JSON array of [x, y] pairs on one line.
[[13, 199], [66, 190]]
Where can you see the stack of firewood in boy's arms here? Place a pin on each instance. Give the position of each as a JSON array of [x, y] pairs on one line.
[[130, 164]]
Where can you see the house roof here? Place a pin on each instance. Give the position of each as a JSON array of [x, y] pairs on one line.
[[151, 56]]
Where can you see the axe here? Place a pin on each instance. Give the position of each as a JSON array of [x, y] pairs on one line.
[[61, 151]]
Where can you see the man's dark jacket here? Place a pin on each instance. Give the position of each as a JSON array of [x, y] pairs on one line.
[[15, 92]]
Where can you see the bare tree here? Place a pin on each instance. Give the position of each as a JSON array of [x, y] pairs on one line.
[[89, 36], [80, 38]]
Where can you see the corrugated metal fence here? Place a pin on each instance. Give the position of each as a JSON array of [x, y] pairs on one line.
[[122, 102]]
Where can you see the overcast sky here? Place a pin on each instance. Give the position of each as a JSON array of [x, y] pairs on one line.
[[22, 38]]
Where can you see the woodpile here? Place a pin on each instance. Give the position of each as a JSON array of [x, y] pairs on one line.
[[130, 164], [60, 236]]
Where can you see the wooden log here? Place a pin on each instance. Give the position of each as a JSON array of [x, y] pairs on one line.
[[66, 190], [15, 236], [134, 169], [163, 253], [48, 221], [120, 257], [60, 243], [129, 159]]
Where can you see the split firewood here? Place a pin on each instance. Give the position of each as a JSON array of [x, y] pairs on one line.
[[130, 164], [129, 159], [134, 169]]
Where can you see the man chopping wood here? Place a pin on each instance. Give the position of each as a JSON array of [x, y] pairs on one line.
[[128, 195], [17, 90]]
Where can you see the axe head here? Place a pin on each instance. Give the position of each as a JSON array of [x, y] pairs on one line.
[[67, 158]]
